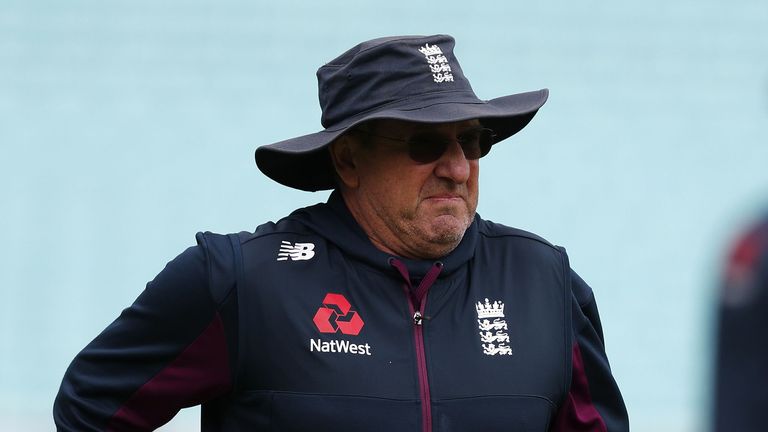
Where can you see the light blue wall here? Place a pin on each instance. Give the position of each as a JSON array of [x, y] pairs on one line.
[[127, 126]]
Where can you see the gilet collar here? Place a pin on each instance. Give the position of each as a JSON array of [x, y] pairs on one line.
[[334, 222]]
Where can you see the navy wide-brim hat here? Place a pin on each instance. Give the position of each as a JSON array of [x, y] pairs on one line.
[[413, 78]]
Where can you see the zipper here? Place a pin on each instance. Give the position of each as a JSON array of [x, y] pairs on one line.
[[418, 298], [421, 361], [417, 318]]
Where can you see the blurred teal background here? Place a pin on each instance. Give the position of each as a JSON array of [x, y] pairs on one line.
[[127, 126]]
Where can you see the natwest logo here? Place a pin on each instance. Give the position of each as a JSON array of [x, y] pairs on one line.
[[336, 315]]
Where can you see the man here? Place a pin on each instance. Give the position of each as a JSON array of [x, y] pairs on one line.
[[741, 366], [393, 307]]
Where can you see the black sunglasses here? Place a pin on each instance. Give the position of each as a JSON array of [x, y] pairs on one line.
[[426, 148]]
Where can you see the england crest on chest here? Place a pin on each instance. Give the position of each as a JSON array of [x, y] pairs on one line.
[[493, 331]]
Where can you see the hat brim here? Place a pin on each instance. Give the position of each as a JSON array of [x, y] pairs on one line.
[[304, 163]]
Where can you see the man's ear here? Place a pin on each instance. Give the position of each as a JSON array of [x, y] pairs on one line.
[[342, 151]]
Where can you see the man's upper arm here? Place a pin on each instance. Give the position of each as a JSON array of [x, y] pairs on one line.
[[594, 402], [166, 351]]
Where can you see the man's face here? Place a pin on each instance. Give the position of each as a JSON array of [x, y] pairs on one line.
[[410, 208]]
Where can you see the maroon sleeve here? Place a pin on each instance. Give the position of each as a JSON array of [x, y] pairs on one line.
[[167, 351], [594, 402]]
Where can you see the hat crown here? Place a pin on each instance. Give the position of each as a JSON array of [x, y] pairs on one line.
[[382, 71]]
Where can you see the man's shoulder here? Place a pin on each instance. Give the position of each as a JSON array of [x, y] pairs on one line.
[[292, 227], [493, 230], [521, 251]]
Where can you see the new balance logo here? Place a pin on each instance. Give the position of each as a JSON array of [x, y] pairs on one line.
[[295, 251]]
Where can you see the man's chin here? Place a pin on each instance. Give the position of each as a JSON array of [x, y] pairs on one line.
[[448, 229]]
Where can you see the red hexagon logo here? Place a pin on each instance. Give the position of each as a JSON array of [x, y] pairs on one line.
[[336, 315]]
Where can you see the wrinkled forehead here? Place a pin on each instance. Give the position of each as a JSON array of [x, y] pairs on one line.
[[403, 127]]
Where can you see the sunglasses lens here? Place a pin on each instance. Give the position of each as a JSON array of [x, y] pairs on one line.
[[476, 143], [426, 150], [487, 138]]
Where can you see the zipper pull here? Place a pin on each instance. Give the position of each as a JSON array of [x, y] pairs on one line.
[[417, 318]]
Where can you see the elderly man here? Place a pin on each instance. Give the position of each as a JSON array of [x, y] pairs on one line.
[[392, 307]]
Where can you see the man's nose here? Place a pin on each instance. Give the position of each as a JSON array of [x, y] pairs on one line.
[[453, 164]]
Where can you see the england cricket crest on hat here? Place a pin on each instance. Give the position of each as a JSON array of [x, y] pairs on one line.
[[494, 335], [438, 63]]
